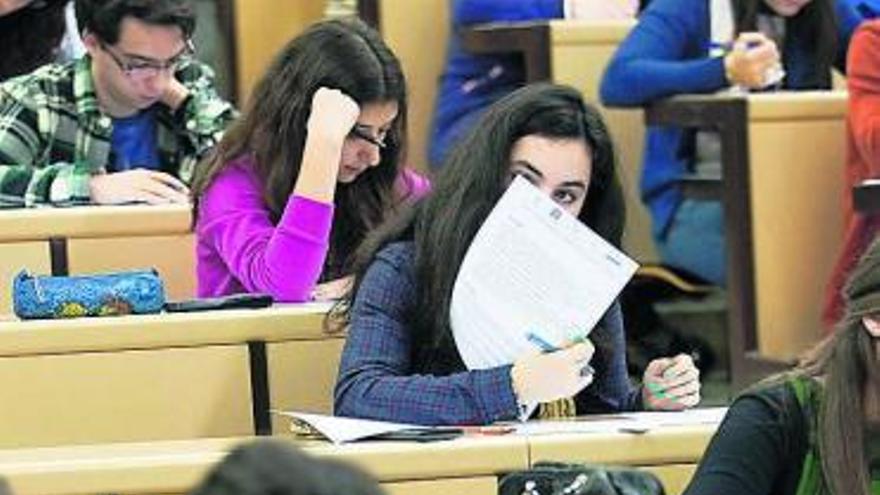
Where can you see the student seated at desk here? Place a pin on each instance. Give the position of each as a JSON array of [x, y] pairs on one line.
[[400, 362], [127, 122], [814, 430], [470, 83], [271, 467], [671, 52], [309, 169], [862, 159]]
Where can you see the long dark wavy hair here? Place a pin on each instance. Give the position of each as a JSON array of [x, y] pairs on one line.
[[469, 184], [30, 37], [848, 366], [816, 25], [346, 55]]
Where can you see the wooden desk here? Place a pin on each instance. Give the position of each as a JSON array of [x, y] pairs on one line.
[[458, 466], [467, 465], [91, 239], [168, 376], [781, 197], [866, 197], [576, 53]]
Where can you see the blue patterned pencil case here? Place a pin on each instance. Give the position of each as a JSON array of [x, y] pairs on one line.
[[41, 297]]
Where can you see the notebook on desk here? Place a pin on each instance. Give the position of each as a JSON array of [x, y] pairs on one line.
[[341, 430]]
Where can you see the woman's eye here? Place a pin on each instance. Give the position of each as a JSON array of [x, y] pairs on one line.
[[564, 197]]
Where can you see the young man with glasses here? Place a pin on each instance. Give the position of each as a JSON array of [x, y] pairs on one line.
[[126, 123]]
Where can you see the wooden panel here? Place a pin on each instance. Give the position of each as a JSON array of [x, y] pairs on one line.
[[797, 193], [302, 375], [670, 445], [675, 477], [278, 323], [487, 485], [93, 221], [173, 256], [33, 256], [580, 52], [417, 32], [125, 396], [464, 465], [262, 27]]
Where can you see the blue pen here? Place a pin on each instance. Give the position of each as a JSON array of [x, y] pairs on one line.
[[586, 369]]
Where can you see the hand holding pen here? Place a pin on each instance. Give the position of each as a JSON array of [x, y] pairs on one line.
[[752, 61], [555, 373], [671, 384]]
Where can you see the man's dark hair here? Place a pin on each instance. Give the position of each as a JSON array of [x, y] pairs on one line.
[[273, 467], [103, 18]]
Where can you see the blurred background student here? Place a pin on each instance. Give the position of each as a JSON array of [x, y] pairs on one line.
[[470, 83], [311, 167], [814, 430], [701, 47], [273, 467], [400, 361]]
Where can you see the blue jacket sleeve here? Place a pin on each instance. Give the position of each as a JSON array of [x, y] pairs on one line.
[[466, 12], [848, 19], [611, 391], [665, 54], [376, 380]]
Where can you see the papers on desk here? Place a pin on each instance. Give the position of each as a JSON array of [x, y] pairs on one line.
[[640, 422], [340, 430], [532, 267]]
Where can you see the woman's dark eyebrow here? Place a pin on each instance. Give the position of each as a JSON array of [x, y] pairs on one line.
[[531, 168], [574, 183]]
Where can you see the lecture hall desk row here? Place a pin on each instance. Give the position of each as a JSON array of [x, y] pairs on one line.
[[90, 239], [466, 465], [163, 376]]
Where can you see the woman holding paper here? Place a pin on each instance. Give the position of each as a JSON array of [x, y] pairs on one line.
[[401, 362], [816, 429], [706, 46]]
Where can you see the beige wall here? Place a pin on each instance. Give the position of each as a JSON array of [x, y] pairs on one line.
[[264, 26], [417, 30]]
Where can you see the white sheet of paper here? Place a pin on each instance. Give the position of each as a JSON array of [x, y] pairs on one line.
[[640, 422], [532, 267], [340, 429]]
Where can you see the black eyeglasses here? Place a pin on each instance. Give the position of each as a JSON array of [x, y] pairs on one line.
[[361, 132], [141, 71]]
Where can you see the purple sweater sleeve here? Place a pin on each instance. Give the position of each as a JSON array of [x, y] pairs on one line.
[[284, 260]]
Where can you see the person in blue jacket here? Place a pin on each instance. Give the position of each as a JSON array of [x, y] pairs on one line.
[[668, 53], [471, 82]]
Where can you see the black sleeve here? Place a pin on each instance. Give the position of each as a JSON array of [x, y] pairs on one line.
[[757, 450]]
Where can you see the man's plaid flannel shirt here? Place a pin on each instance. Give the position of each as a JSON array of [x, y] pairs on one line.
[[54, 137]]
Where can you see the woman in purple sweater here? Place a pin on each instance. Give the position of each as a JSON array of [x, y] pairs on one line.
[[308, 170]]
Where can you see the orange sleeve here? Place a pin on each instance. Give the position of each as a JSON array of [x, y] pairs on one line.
[[863, 81]]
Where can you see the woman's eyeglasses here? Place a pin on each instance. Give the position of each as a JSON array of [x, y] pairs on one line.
[[143, 70], [360, 132]]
